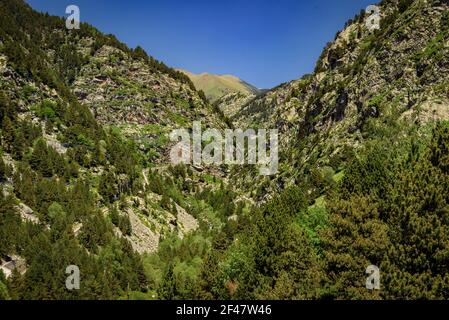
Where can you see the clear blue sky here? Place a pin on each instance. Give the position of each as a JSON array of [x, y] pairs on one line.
[[264, 42]]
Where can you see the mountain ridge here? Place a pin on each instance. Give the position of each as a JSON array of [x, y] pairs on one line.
[[363, 174], [216, 86]]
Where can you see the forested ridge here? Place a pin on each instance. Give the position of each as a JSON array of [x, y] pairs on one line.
[[355, 188]]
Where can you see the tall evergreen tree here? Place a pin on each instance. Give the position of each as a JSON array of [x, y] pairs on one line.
[[8, 131]]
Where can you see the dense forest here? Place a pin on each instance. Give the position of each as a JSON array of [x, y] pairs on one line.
[[382, 201]]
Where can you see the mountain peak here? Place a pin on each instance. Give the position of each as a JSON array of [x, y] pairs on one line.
[[216, 86]]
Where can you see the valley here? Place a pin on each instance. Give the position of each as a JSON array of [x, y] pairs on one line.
[[361, 179]]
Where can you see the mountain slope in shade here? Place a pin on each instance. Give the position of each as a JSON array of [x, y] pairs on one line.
[[216, 86], [232, 103]]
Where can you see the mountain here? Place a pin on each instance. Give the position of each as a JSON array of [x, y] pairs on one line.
[[360, 140], [231, 103], [215, 86], [362, 82], [85, 124], [362, 184]]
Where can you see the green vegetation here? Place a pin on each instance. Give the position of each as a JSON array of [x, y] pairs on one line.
[[359, 183], [213, 87], [290, 249]]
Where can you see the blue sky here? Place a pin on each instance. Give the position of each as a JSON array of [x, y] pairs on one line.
[[264, 42]]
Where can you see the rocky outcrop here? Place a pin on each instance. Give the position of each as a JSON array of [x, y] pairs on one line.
[[142, 239], [401, 70], [122, 90], [185, 221], [27, 214]]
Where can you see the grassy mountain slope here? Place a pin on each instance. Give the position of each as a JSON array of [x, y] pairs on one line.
[[216, 86]]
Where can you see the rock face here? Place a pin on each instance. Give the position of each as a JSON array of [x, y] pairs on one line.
[[127, 92], [10, 263], [186, 221], [143, 239], [122, 90], [398, 71], [360, 72], [27, 214]]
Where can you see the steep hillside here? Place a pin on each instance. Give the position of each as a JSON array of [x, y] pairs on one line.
[[363, 176], [84, 171], [216, 86], [231, 103], [362, 80], [126, 93]]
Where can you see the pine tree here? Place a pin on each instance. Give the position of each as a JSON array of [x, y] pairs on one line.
[[108, 186], [25, 185], [418, 215], [125, 225], [60, 222], [167, 289], [9, 225], [8, 133], [356, 240], [6, 108], [19, 145], [401, 230], [2, 170], [40, 158], [4, 295], [115, 216]]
